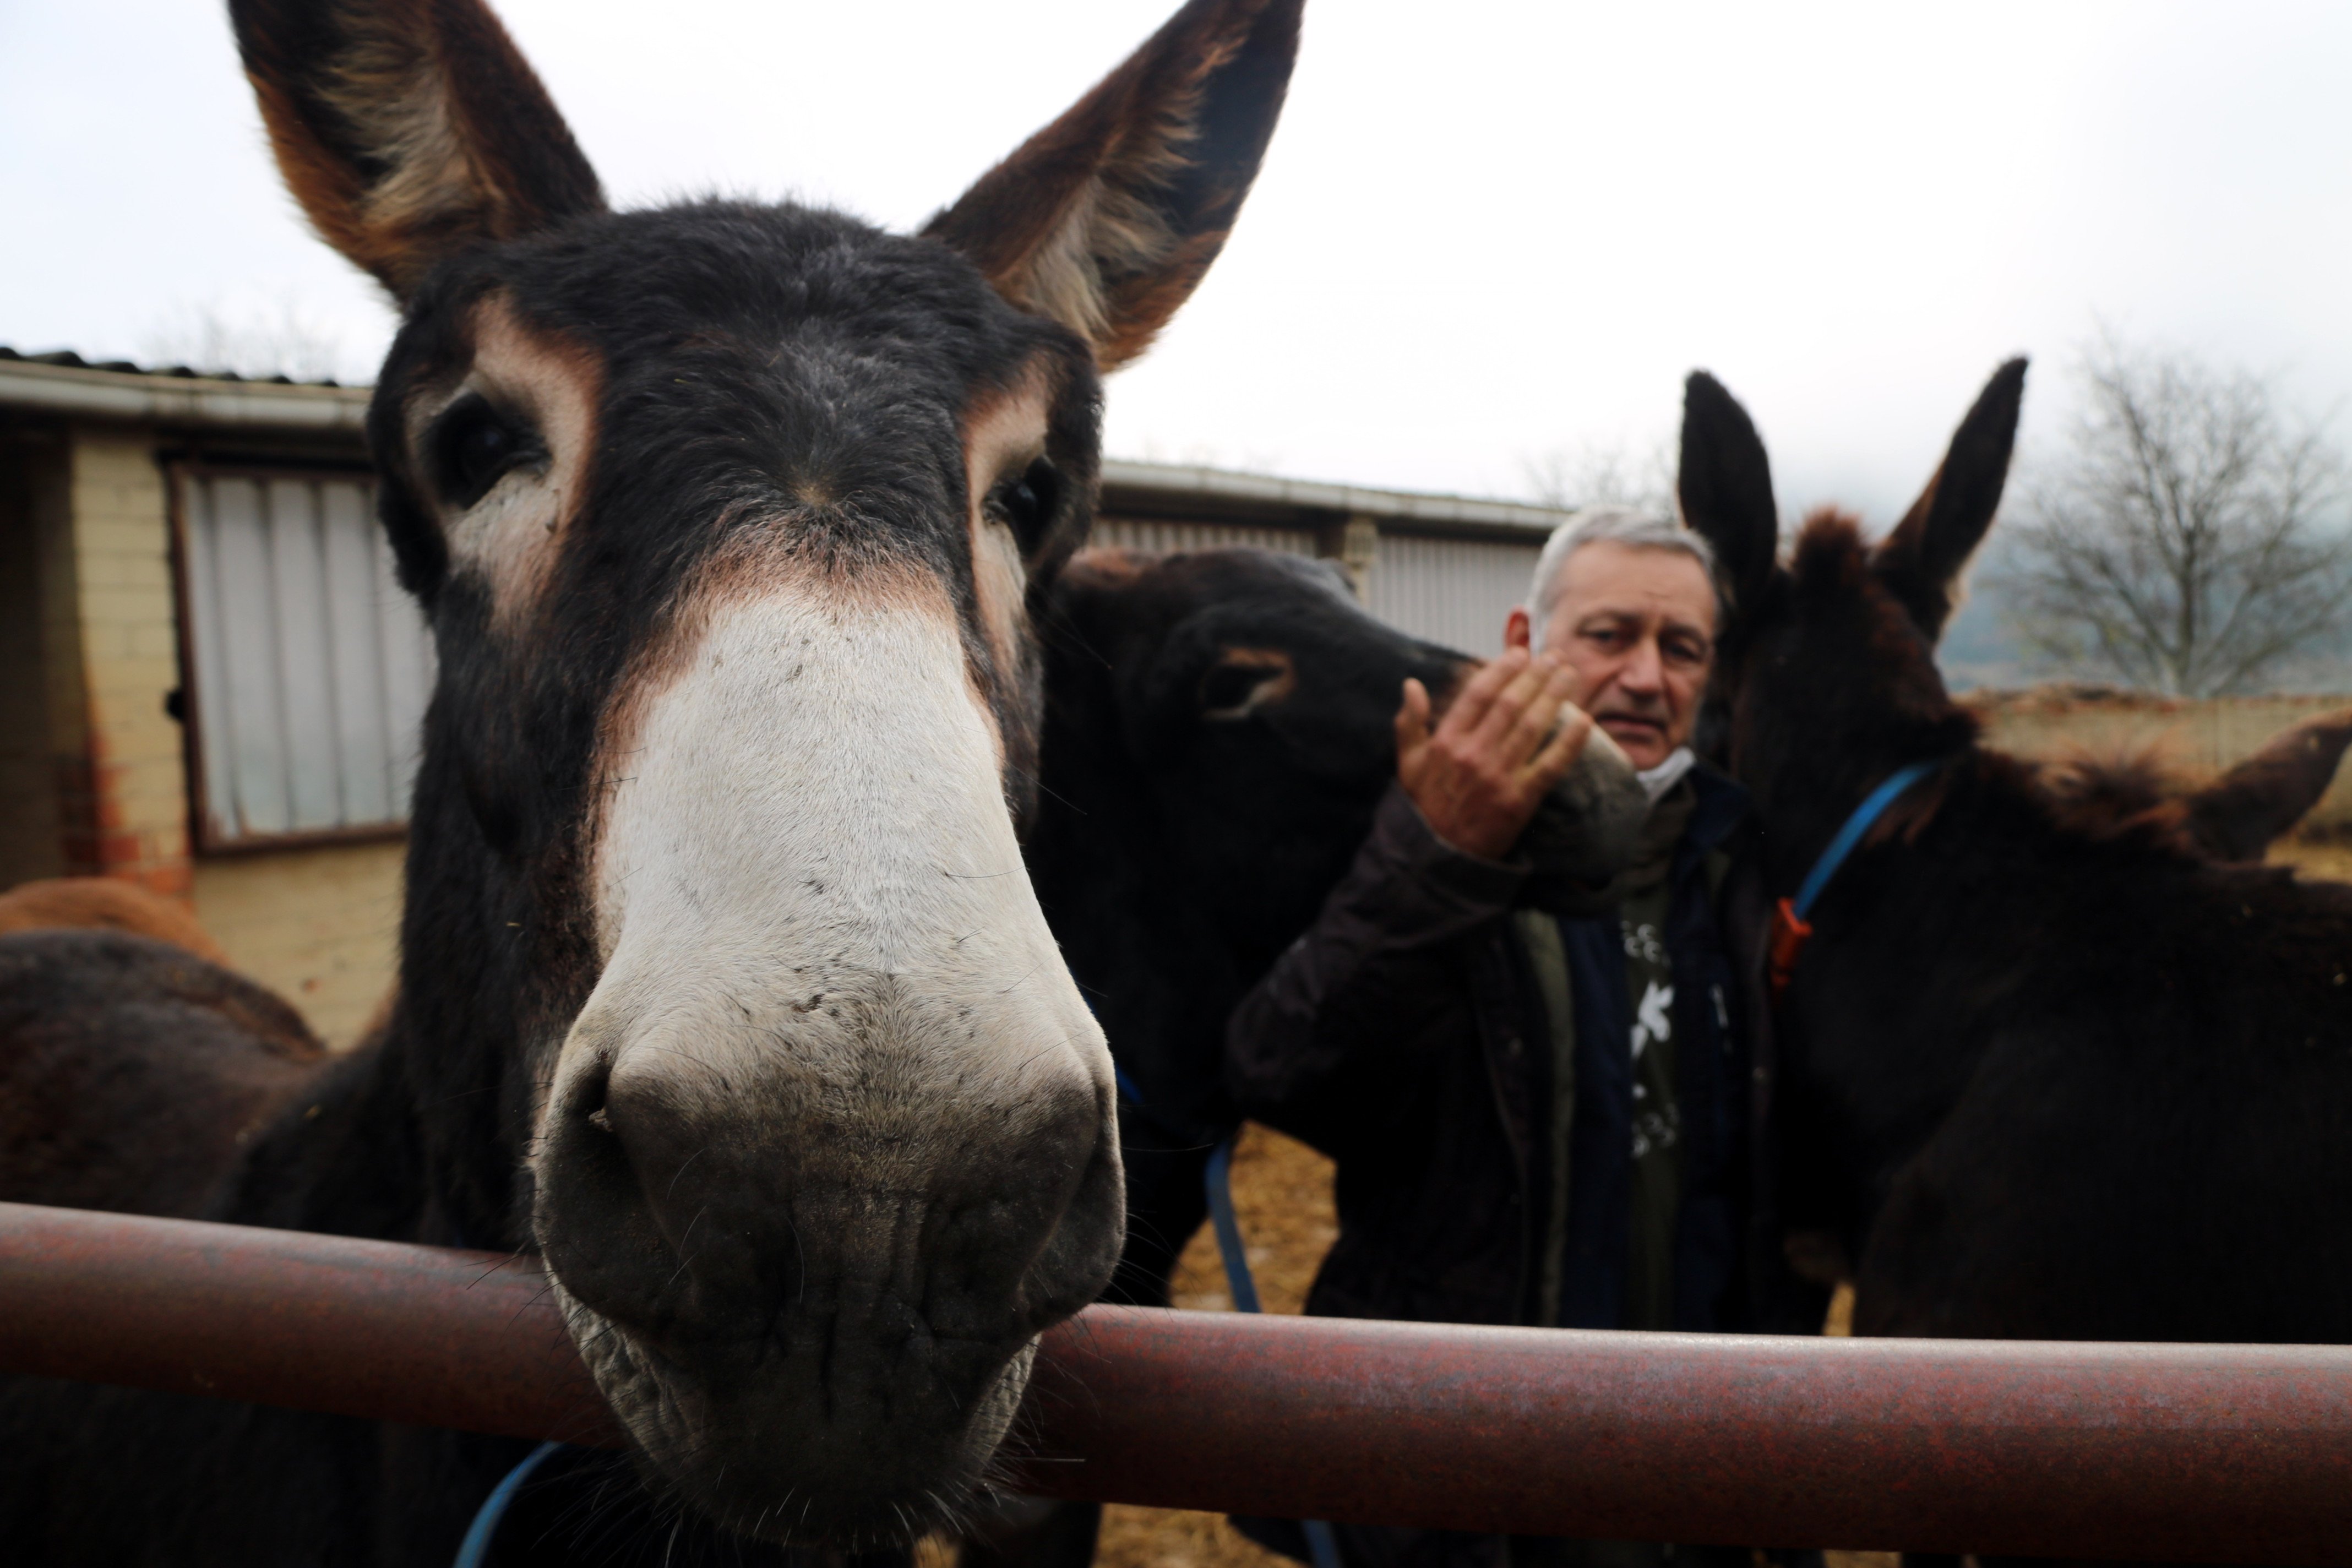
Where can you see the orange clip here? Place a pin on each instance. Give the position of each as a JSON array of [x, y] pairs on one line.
[[1789, 935]]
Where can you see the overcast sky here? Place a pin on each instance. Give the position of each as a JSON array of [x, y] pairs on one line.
[[1485, 229]]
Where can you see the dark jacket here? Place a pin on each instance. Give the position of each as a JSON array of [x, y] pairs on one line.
[[1404, 1034]]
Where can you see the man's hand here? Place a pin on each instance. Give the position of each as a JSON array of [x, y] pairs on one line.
[[1508, 737]]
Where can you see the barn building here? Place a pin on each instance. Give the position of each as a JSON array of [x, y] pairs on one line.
[[210, 684]]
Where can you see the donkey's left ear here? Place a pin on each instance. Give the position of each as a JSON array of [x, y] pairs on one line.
[[2237, 815], [1724, 487], [1921, 559], [1107, 218]]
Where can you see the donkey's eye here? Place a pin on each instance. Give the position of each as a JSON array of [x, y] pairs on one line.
[[1227, 689], [1026, 503], [1245, 682], [474, 445]]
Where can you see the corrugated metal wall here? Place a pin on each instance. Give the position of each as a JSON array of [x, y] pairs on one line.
[[1127, 533], [1456, 591], [312, 666]]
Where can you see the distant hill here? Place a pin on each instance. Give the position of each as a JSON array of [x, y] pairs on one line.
[[1978, 652]]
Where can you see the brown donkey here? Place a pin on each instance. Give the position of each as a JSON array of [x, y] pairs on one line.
[[2050, 1072], [722, 985]]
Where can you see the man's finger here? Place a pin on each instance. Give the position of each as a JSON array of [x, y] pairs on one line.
[[1470, 704], [1413, 721], [1509, 708]]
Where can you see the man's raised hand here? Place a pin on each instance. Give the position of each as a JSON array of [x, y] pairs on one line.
[[1508, 736]]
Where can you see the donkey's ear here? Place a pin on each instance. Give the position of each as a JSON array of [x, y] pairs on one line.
[[1108, 218], [2241, 814], [409, 130], [1921, 559], [1726, 486]]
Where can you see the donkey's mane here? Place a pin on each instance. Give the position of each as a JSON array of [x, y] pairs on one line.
[[2123, 792], [1831, 558]]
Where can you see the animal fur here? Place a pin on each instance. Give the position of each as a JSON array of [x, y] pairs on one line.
[[2050, 1076]]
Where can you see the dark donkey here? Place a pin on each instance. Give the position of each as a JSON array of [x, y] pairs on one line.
[[2054, 1074], [1220, 727], [722, 986]]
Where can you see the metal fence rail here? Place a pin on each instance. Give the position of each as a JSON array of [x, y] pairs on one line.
[[2210, 1453]]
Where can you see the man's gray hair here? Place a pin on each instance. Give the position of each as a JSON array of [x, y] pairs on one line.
[[1624, 525]]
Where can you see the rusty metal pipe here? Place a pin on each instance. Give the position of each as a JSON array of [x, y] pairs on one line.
[[2216, 1453], [2210, 1453], [376, 1329]]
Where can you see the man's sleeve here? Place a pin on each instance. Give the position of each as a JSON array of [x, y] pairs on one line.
[[1345, 1006]]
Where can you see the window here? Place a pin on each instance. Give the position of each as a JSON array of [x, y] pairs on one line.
[[307, 667], [1137, 533]]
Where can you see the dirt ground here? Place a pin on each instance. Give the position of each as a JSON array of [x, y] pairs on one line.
[[1282, 1195]]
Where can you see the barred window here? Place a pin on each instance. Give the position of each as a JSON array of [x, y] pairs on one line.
[[1140, 533], [1456, 591], [306, 667]]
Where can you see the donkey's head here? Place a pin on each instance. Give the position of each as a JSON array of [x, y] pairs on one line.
[[1221, 730], [1828, 663], [729, 521], [1237, 706]]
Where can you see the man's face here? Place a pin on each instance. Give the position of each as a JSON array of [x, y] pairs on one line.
[[1636, 629]]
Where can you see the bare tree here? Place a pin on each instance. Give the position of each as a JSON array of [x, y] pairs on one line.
[[1603, 474], [2187, 542], [278, 338]]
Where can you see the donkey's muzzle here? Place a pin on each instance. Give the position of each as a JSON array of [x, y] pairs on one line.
[[820, 1294]]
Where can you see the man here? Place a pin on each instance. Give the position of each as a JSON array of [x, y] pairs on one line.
[[1539, 1115]]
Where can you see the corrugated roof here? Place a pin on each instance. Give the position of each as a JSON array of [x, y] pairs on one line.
[[67, 384], [1190, 491], [69, 360], [63, 382]]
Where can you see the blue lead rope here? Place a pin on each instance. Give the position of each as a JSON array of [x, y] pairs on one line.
[[476, 1547], [1238, 1279], [1322, 1545], [1864, 817]]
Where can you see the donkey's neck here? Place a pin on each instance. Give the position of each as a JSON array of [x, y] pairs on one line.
[[1825, 764], [477, 935]]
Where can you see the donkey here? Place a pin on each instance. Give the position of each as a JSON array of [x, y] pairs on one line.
[[723, 989], [1220, 727], [2053, 1077], [105, 903]]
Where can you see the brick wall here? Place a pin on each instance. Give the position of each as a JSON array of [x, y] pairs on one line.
[[319, 926], [32, 484], [122, 788], [93, 776]]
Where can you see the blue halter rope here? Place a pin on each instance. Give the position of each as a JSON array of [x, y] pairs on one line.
[[476, 1547], [1322, 1545], [1866, 816], [1217, 1178]]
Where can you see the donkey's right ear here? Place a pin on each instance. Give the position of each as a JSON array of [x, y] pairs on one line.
[[1107, 218], [1724, 485], [409, 130]]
